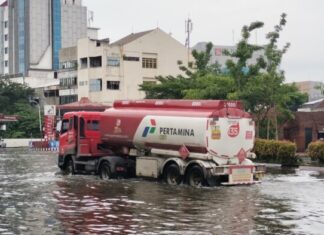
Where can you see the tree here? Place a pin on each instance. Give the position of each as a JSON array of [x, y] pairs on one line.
[[14, 100], [27, 126], [262, 87], [238, 67]]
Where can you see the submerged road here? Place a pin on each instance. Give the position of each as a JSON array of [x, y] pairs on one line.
[[36, 199]]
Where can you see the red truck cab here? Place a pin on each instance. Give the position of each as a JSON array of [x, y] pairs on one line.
[[79, 136]]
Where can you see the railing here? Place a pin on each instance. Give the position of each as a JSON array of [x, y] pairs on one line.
[[44, 145]]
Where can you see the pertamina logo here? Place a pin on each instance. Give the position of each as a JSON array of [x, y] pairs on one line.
[[149, 129], [234, 130]]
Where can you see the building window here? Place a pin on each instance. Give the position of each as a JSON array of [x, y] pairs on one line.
[[6, 63], [68, 82], [51, 93], [130, 58], [84, 63], [68, 99], [149, 63], [113, 85], [95, 85], [6, 50], [69, 64], [6, 37], [6, 24], [95, 62], [113, 61]]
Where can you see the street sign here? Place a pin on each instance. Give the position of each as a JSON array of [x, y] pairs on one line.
[[49, 110]]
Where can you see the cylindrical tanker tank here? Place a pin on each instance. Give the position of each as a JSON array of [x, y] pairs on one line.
[[219, 128]]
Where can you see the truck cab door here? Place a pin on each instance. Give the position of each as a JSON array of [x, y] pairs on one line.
[[84, 141], [67, 137]]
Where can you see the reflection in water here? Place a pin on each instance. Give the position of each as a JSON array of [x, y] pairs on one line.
[[141, 206], [36, 199]]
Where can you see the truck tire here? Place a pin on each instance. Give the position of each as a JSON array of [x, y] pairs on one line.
[[172, 174], [195, 177], [69, 167], [104, 171]]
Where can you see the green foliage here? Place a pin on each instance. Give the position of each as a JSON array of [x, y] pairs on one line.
[[202, 58], [210, 86], [14, 100], [263, 91], [244, 51], [315, 150], [11, 93], [272, 151], [168, 88]]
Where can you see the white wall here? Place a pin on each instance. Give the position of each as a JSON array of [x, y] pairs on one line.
[[15, 143]]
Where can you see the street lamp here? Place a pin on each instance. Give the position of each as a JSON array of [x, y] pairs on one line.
[[34, 101]]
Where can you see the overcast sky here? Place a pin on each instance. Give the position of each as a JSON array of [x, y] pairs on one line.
[[220, 21]]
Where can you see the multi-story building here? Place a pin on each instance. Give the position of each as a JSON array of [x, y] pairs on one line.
[[33, 31], [114, 71], [68, 71], [218, 56]]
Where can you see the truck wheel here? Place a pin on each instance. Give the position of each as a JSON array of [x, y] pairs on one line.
[[69, 167], [104, 171], [172, 174], [195, 177]]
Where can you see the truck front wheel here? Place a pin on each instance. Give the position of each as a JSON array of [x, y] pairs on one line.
[[69, 167], [104, 171], [195, 177], [172, 174]]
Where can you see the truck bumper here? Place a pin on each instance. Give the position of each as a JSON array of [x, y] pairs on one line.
[[238, 174]]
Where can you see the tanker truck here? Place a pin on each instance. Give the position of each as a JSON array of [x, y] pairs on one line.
[[196, 142]]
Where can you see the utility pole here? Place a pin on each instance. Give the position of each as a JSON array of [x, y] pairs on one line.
[[188, 29]]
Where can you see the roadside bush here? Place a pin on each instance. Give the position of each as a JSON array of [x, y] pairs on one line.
[[315, 151], [272, 151]]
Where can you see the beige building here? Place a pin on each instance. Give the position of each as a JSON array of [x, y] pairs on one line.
[[110, 71]]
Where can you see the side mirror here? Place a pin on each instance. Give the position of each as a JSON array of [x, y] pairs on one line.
[[59, 126]]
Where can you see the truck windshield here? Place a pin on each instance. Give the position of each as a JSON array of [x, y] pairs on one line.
[[65, 126]]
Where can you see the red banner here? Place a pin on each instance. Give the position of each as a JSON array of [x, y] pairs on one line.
[[49, 127]]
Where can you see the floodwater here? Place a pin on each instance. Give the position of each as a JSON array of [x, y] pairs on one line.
[[36, 199]]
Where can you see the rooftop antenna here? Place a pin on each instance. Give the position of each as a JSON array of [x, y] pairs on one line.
[[90, 18], [233, 36], [188, 30]]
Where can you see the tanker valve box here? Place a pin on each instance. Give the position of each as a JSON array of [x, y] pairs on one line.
[[147, 167]]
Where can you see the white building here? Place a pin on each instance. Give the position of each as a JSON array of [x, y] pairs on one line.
[[107, 72], [218, 56]]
